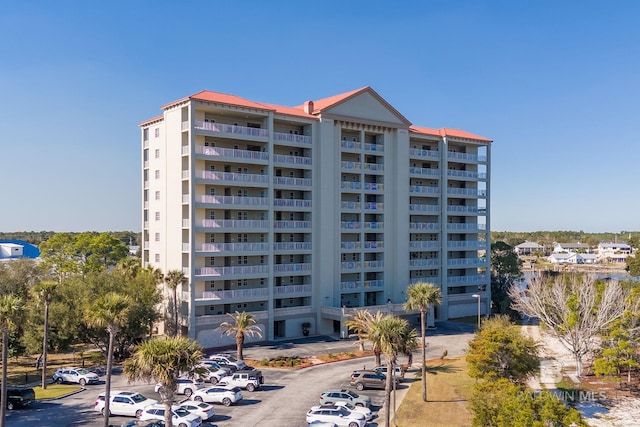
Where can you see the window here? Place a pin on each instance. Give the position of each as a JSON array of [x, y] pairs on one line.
[[157, 153], [157, 237], [157, 216], [212, 191], [157, 195], [212, 261], [157, 174], [157, 257], [212, 214], [157, 132]]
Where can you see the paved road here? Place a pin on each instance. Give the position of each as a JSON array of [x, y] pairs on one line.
[[283, 401]]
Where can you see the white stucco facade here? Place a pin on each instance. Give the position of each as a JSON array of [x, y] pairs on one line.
[[301, 214]]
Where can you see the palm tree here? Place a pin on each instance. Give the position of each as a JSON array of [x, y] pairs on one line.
[[109, 311], [173, 279], [129, 266], [163, 360], [11, 312], [386, 333], [242, 323], [46, 290], [420, 296], [359, 322]]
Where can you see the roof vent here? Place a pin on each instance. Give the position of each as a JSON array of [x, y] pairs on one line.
[[308, 107]]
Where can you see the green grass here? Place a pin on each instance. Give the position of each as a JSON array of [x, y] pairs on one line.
[[55, 390], [448, 389]]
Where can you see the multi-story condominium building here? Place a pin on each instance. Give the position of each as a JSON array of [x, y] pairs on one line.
[[301, 214]]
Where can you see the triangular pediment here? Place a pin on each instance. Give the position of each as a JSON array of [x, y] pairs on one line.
[[367, 105]]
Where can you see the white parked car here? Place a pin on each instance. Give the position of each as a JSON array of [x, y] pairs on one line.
[[216, 394], [368, 414], [181, 417], [75, 375], [338, 415], [213, 373], [229, 360], [127, 403], [186, 386], [205, 410], [248, 380], [398, 372]]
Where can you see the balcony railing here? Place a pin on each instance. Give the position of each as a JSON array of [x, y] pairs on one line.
[[292, 203], [291, 137], [350, 205], [373, 186], [373, 206], [476, 278], [373, 225], [471, 262], [379, 148], [346, 185], [350, 145], [231, 129], [372, 244], [350, 225], [374, 284], [351, 166], [376, 167], [219, 318], [467, 192], [466, 156], [431, 263], [351, 265], [414, 207], [232, 153], [232, 223], [297, 182], [428, 244], [292, 246], [424, 154], [462, 209], [350, 245], [467, 244], [463, 174], [434, 226], [252, 178], [292, 311], [233, 247], [424, 189], [232, 271], [288, 268], [291, 290], [233, 294], [349, 285], [234, 200], [424, 171], [292, 160], [466, 227], [373, 264], [297, 225]]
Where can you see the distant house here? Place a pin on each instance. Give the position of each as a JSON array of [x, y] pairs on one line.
[[575, 258], [528, 248], [571, 247], [613, 252], [559, 258], [16, 249]]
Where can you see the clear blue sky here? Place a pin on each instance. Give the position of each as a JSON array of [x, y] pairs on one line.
[[555, 84]]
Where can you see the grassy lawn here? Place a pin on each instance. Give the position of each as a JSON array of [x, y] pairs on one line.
[[55, 390], [448, 390]]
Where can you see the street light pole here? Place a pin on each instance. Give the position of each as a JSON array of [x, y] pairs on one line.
[[478, 296]]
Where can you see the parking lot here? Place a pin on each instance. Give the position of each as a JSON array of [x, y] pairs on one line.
[[283, 400]]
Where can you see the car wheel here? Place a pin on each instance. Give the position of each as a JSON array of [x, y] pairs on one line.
[[226, 401], [213, 380], [353, 425], [138, 413], [360, 404], [10, 406], [250, 387], [359, 386], [198, 399], [59, 380], [182, 425], [188, 392], [103, 412], [82, 382]]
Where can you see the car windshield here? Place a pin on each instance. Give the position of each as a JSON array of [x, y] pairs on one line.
[[231, 359], [348, 405], [343, 412], [353, 394], [82, 371], [138, 398], [181, 412]]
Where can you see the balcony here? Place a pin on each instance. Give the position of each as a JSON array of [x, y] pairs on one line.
[[233, 154], [472, 192], [467, 244], [232, 247], [430, 226], [231, 271], [292, 225], [429, 244], [292, 246], [230, 223], [292, 203], [373, 148], [373, 186], [292, 268], [373, 244], [373, 167], [452, 209], [350, 265], [475, 278], [351, 205], [375, 284], [374, 225], [351, 285], [345, 185], [234, 294], [351, 145], [229, 129], [233, 200], [291, 290], [291, 137], [373, 206], [260, 316], [463, 174], [350, 245], [424, 263], [292, 182], [415, 207], [292, 311], [466, 156], [424, 154], [466, 227], [467, 262], [350, 166], [291, 160], [229, 177], [350, 225], [422, 189], [424, 172], [373, 264]]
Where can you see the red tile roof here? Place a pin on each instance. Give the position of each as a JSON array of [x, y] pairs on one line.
[[321, 104], [448, 132]]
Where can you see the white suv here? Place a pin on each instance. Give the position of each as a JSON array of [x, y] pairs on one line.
[[229, 360], [180, 416], [75, 375], [337, 415], [127, 403], [186, 386]]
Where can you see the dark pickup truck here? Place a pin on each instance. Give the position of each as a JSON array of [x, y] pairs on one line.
[[18, 396]]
